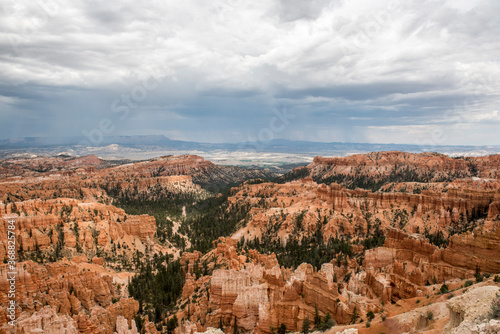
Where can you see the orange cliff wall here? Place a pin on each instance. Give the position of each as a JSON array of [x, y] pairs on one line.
[[39, 217], [454, 200], [405, 263]]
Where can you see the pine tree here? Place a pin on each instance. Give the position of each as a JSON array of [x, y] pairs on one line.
[[306, 325], [317, 317], [354, 316], [282, 329], [235, 331], [172, 324]]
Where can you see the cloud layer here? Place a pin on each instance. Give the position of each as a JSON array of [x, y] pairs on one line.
[[363, 71]]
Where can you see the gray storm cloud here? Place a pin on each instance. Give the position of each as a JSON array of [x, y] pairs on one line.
[[373, 71]]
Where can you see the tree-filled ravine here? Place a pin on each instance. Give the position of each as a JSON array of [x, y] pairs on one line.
[[209, 219], [202, 219], [313, 248], [157, 286]]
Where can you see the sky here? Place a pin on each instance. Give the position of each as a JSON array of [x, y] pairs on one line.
[[412, 71]]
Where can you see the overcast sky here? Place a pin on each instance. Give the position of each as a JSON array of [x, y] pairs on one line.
[[221, 71]]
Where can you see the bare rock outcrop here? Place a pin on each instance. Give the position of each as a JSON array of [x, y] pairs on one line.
[[467, 312], [62, 288], [41, 224], [46, 320]]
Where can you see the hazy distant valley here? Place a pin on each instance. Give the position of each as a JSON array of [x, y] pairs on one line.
[[279, 155]]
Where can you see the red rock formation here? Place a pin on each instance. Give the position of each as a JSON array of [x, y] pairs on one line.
[[259, 294], [38, 225], [62, 288], [431, 166], [406, 263], [352, 212], [46, 320], [244, 287], [142, 226], [477, 249], [173, 174]]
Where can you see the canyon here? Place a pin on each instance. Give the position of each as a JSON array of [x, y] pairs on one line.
[[311, 244]]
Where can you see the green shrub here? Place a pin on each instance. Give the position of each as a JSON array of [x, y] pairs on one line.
[[326, 323], [282, 329]]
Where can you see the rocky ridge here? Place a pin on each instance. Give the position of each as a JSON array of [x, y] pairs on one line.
[[392, 165], [76, 227], [342, 211]]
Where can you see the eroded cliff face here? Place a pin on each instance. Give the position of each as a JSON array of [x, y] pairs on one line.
[[61, 209], [393, 165], [256, 298], [342, 211], [64, 208], [76, 227], [251, 291], [149, 179], [65, 297], [413, 262]]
